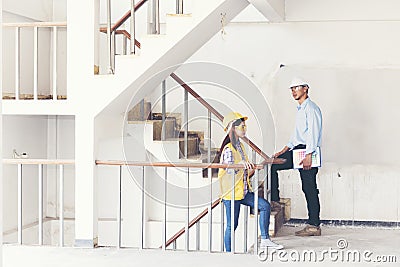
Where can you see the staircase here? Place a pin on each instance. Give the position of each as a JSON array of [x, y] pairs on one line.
[[185, 34], [142, 118]]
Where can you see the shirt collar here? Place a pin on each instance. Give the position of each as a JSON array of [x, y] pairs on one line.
[[304, 104]]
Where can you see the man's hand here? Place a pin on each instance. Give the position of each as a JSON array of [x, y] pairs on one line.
[[306, 162], [277, 154]]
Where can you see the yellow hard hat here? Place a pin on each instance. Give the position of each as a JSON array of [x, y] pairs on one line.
[[232, 116]]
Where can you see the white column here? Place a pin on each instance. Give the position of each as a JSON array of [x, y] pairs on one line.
[[82, 49], [82, 31], [85, 183], [1, 133]]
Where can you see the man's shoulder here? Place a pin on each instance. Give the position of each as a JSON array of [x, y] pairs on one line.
[[311, 105]]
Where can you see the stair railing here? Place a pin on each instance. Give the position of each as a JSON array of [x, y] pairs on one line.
[[215, 112], [54, 26], [112, 31], [195, 221], [40, 163], [254, 147]]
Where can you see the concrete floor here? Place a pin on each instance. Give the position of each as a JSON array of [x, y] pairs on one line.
[[331, 249]]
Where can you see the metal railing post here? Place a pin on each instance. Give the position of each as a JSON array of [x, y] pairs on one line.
[[119, 215], [179, 6], [54, 84], [210, 183], [124, 45], [17, 61], [245, 227], [256, 212], [187, 241], [164, 108], [268, 181], [186, 122], [142, 212], [35, 63], [113, 50], [198, 235], [222, 225], [233, 214], [20, 204], [155, 26], [109, 41], [133, 30], [40, 204], [164, 246], [61, 203]]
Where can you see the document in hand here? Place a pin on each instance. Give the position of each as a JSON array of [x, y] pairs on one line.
[[299, 155]]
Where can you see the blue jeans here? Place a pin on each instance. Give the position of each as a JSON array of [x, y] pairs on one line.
[[264, 208]]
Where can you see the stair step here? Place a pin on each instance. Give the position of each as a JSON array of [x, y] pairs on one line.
[[176, 116], [193, 146], [199, 134], [135, 115]]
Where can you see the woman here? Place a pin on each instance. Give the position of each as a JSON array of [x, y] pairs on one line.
[[233, 152]]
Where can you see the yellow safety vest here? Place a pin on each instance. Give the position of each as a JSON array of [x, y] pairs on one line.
[[225, 178]]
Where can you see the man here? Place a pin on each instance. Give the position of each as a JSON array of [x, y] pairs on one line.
[[306, 135]]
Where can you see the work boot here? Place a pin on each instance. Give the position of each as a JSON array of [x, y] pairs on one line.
[[309, 230], [275, 206]]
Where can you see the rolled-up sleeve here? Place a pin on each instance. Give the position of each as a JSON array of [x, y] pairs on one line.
[[314, 131]]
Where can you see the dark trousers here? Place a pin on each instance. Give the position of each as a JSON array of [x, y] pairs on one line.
[[308, 183]]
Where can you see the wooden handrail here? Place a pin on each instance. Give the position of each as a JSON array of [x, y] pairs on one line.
[[185, 165], [123, 32], [127, 16], [36, 24], [39, 161], [121, 21], [217, 114], [192, 222]]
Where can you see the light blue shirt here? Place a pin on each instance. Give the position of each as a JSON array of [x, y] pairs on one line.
[[308, 130]]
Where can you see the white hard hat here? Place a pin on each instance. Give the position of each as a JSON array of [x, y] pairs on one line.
[[297, 82]]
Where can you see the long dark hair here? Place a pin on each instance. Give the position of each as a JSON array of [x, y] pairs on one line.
[[230, 138]]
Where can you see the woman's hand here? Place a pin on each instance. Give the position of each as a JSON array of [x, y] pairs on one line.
[[247, 164]]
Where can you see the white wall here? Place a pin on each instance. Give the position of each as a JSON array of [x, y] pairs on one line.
[[344, 69], [38, 10]]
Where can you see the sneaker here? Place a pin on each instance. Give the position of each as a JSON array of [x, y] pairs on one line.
[[275, 206], [309, 230], [267, 243]]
